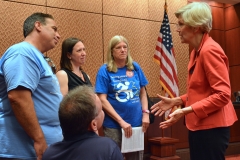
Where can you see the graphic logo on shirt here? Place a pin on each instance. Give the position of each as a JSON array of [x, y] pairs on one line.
[[124, 88], [124, 93], [129, 73]]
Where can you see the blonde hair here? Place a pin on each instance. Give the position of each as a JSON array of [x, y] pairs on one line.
[[196, 14], [111, 65]]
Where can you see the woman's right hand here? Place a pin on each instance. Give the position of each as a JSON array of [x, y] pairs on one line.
[[127, 128], [162, 106]]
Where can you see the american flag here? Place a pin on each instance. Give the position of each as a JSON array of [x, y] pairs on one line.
[[165, 57]]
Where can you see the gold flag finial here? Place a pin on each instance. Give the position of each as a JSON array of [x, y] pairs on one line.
[[165, 6]]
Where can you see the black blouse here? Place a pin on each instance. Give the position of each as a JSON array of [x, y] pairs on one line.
[[74, 80]]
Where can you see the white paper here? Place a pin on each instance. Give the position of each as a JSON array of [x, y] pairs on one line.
[[135, 142]]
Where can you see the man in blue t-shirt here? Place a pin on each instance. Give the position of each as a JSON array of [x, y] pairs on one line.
[[81, 116], [29, 92]]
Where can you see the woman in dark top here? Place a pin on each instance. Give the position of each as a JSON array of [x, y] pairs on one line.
[[73, 57]]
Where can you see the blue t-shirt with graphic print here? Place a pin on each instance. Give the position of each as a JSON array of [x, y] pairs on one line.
[[123, 93], [23, 65]]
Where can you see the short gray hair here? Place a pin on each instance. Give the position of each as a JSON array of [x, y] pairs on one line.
[[196, 14], [77, 110]]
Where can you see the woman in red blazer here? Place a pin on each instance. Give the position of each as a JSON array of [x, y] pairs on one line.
[[208, 109]]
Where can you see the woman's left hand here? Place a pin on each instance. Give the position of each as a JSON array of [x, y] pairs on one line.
[[145, 122], [174, 117]]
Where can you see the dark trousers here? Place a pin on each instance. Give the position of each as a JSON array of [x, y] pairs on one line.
[[209, 144], [17, 159]]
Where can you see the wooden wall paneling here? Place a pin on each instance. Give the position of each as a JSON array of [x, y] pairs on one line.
[[218, 23], [96, 21], [232, 15], [141, 43], [235, 80], [126, 8], [219, 37], [211, 3], [156, 9], [94, 6], [153, 129], [85, 26], [180, 132], [189, 1], [232, 46], [181, 53], [182, 58], [227, 5], [235, 129], [215, 4], [38, 2], [11, 22], [152, 69], [74, 28]]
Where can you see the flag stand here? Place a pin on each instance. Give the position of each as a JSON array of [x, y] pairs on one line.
[[163, 148]]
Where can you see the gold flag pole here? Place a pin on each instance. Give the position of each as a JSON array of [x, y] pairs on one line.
[[164, 91], [163, 147], [165, 6]]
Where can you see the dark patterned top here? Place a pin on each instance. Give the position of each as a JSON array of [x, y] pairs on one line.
[[74, 80]]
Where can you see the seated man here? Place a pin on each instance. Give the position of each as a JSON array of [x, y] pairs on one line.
[[80, 116]]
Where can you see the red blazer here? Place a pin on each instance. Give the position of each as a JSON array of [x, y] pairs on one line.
[[208, 88]]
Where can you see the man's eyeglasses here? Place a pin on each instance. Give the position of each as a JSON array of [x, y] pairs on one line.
[[51, 64]]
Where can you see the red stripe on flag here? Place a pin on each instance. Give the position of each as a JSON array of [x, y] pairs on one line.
[[165, 57]]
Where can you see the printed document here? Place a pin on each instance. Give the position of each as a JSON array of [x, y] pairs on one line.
[[135, 142]]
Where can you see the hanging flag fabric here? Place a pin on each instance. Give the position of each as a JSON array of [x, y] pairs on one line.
[[165, 57]]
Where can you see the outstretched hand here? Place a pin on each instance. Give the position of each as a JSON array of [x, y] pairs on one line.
[[161, 107], [173, 118]]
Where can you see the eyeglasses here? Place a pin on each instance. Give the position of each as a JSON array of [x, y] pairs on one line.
[[51, 64], [120, 47]]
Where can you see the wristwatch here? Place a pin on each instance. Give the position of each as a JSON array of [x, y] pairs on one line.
[[145, 111]]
